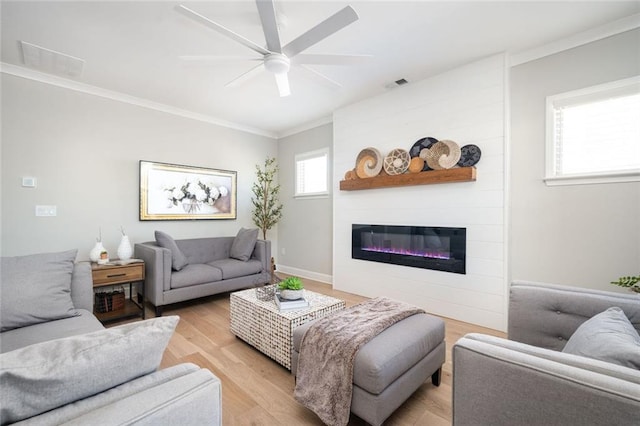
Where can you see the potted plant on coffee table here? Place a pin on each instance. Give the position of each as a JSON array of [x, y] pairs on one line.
[[291, 288]]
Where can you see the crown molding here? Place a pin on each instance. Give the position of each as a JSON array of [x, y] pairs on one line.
[[627, 23], [77, 86], [306, 126]]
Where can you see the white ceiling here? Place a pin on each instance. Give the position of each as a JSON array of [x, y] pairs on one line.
[[133, 48]]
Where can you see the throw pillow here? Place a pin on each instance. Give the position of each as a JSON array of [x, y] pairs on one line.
[[608, 336], [178, 260], [36, 288], [51, 374], [243, 244]]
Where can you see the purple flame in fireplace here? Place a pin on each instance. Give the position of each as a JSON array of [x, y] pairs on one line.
[[432, 254]]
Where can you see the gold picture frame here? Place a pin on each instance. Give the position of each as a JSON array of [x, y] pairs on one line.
[[179, 192]]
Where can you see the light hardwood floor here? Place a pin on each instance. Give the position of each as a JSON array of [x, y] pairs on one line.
[[258, 391]]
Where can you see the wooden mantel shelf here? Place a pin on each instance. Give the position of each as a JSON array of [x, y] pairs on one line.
[[462, 174]]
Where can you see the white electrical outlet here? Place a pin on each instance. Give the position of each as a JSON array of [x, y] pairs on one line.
[[284, 251], [46, 211]]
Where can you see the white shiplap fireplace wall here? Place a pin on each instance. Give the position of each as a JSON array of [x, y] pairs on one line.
[[466, 105]]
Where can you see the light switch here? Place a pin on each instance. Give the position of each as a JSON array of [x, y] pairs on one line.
[[46, 210], [28, 182]]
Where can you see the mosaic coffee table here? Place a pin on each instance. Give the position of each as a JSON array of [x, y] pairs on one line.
[[262, 325]]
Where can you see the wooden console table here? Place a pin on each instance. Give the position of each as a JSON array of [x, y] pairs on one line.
[[114, 274]]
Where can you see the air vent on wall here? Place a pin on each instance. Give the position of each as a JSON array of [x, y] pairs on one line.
[[50, 61]]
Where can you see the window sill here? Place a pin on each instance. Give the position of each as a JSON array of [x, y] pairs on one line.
[[593, 179], [310, 196]]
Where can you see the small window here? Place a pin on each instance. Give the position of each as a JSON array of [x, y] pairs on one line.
[[593, 134], [312, 173]]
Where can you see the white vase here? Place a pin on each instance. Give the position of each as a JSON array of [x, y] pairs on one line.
[[124, 249], [94, 254], [291, 294]]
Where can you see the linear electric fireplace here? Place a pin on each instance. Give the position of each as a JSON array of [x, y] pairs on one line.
[[441, 249]]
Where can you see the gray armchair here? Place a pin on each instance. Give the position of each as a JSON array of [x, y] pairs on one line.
[[527, 380]]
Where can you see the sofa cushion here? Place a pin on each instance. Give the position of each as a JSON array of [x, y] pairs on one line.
[[36, 288], [608, 336], [18, 338], [47, 375], [232, 268], [197, 273], [243, 244], [178, 260]]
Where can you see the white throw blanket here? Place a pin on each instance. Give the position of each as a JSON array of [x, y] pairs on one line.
[[324, 379]]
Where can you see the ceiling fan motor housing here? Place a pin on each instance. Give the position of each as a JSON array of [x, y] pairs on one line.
[[277, 63]]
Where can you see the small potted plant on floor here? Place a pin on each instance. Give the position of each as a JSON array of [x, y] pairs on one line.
[[291, 288]]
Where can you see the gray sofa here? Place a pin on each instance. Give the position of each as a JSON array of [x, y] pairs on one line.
[[528, 379], [59, 365], [206, 268]]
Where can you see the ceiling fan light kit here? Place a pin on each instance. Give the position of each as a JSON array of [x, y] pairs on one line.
[[276, 58], [283, 85], [277, 63]]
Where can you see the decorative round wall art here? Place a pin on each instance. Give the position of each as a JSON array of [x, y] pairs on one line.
[[470, 155], [424, 143], [442, 155], [420, 145], [397, 161], [351, 175], [368, 163], [450, 160], [432, 155], [416, 165]]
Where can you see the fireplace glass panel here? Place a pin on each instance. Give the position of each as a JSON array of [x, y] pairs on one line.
[[438, 248]]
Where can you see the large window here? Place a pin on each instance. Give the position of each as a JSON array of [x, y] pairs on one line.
[[593, 134], [312, 173]]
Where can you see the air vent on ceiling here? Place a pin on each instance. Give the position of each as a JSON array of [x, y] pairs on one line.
[[396, 83], [50, 61]]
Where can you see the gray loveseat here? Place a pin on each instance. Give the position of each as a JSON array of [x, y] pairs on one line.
[[529, 380], [191, 268], [59, 365]]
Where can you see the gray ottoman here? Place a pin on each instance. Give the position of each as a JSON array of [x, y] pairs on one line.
[[392, 366]]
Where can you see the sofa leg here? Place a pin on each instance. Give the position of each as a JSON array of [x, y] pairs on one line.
[[158, 311], [435, 377]]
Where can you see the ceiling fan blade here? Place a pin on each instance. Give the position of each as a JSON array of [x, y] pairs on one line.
[[222, 30], [330, 59], [217, 58], [282, 80], [246, 76], [321, 31], [322, 77], [267, 12]]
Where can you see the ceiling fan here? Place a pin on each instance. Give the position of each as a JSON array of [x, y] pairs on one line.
[[277, 58]]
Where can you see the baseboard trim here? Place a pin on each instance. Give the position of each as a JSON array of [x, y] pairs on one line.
[[303, 273]]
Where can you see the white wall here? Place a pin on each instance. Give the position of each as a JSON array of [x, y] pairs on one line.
[[304, 233], [84, 151], [466, 105], [583, 235]]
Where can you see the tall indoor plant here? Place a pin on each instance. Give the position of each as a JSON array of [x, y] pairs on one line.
[[267, 209]]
